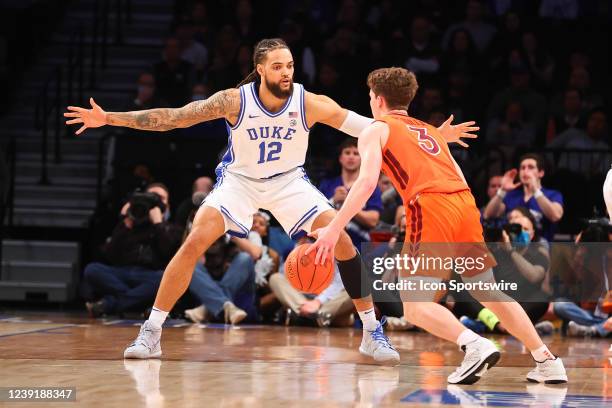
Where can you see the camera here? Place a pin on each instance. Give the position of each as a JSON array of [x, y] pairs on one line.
[[141, 204], [494, 234]]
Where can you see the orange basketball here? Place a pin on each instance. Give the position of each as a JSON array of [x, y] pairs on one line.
[[304, 275]]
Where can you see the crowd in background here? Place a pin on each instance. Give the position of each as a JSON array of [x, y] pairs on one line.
[[529, 72]]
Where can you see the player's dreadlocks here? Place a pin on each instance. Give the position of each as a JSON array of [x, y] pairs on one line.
[[259, 54]]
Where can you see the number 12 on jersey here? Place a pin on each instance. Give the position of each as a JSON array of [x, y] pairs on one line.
[[274, 149]]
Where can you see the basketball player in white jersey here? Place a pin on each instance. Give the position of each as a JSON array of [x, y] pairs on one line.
[[268, 119]]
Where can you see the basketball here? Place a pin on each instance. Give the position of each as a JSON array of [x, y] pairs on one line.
[[304, 275]]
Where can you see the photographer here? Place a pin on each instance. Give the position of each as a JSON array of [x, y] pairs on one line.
[[135, 255], [587, 312], [522, 258]]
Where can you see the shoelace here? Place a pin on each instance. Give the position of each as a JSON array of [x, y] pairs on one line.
[[379, 337], [141, 339]]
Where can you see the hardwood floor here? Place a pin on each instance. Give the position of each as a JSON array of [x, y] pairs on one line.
[[264, 366]]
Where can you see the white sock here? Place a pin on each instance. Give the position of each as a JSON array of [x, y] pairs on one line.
[[542, 354], [368, 318], [466, 336], [157, 317]]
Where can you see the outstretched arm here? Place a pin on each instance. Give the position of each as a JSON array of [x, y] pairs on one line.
[[370, 150], [323, 109], [223, 104]]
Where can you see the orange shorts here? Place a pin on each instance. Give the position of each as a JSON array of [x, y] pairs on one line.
[[446, 227]]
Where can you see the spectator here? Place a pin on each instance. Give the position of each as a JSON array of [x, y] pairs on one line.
[[546, 205], [292, 31], [580, 79], [594, 137], [521, 260], [223, 276], [202, 24], [461, 55], [146, 95], [422, 54], [199, 190], [570, 117], [333, 306], [174, 75], [337, 188], [223, 72], [192, 51], [245, 22], [584, 313], [481, 32], [519, 91], [539, 61], [494, 184], [200, 92], [136, 254], [512, 130]]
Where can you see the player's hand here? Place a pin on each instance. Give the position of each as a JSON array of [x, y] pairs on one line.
[[340, 194], [90, 118], [454, 133], [507, 182], [310, 307], [324, 245]]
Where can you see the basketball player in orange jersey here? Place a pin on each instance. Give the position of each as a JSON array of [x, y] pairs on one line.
[[441, 208], [268, 119]]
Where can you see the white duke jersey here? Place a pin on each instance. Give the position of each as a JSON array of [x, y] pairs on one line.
[[263, 144]]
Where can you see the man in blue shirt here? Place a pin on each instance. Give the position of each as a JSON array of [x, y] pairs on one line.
[[337, 188], [546, 205]]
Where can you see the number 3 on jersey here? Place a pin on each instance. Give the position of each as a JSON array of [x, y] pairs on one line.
[[426, 142], [274, 149]]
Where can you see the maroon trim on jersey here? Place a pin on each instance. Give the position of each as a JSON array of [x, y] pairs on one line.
[[398, 166], [394, 171]]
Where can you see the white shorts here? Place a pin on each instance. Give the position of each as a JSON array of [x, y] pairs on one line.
[[290, 197]]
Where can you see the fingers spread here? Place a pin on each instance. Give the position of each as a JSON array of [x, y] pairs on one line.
[[73, 121], [78, 132], [72, 114], [76, 109]]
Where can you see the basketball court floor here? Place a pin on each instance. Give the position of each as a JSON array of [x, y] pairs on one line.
[[270, 366]]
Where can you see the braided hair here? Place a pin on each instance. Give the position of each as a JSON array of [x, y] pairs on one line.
[[262, 48]]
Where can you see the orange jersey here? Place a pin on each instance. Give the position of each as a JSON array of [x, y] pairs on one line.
[[417, 160]]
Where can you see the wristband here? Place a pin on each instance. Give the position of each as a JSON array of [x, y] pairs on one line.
[[501, 193], [538, 193]]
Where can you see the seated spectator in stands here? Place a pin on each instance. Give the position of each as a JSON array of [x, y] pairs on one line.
[[430, 100], [512, 129], [461, 55], [137, 252], [337, 188], [292, 31], [539, 61], [570, 117], [203, 27], [533, 103], [192, 51], [521, 259], [593, 138], [224, 283], [199, 190], [146, 97], [584, 311], [174, 76], [481, 31], [267, 264], [546, 205], [244, 60], [223, 72], [333, 306], [492, 187], [580, 79], [423, 55]]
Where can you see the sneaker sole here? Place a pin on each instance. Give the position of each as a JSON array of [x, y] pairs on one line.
[[554, 381], [392, 361], [140, 357], [481, 369]]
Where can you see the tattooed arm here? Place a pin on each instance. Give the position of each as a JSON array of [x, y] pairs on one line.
[[223, 104]]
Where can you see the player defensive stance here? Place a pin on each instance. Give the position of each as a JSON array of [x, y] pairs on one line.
[[268, 119], [442, 210]]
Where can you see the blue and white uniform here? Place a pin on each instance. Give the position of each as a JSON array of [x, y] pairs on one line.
[[262, 167]]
